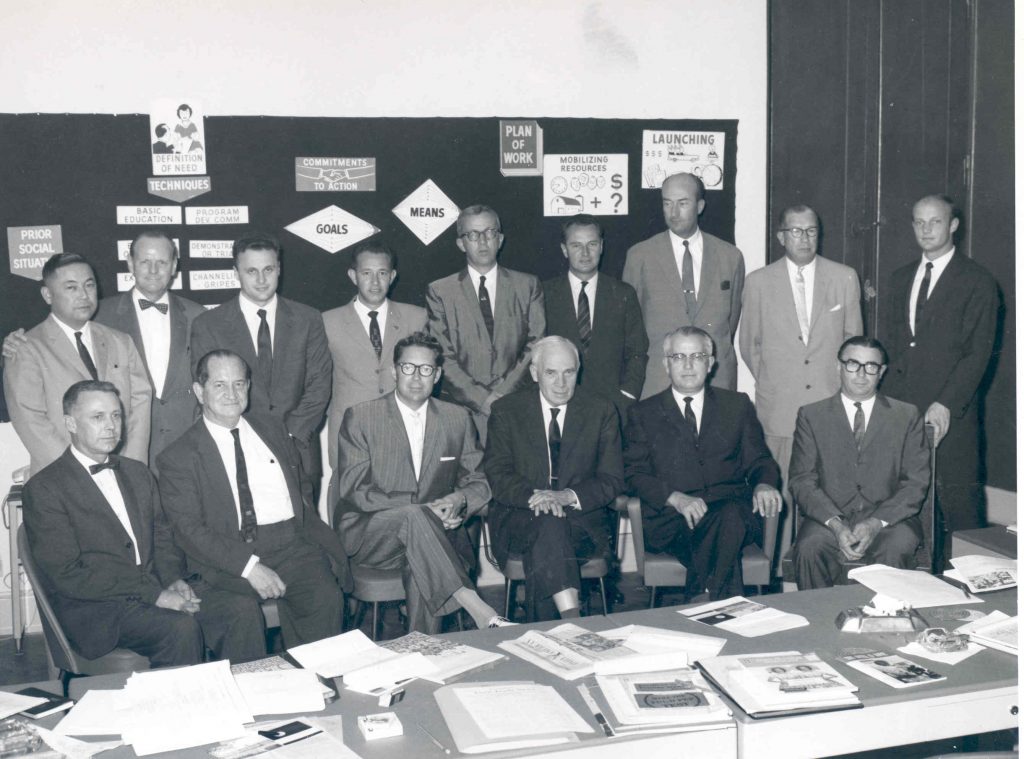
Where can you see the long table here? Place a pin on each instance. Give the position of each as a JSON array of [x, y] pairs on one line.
[[979, 694]]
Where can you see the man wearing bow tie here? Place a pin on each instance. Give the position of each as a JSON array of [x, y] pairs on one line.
[[97, 532]]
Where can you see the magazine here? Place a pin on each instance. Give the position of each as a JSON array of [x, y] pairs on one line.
[[984, 574], [892, 669], [997, 630], [450, 658], [670, 697], [744, 617], [568, 650]]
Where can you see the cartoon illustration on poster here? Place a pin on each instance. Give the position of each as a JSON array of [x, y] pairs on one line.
[[177, 138], [668, 153], [332, 229], [427, 212], [30, 247], [327, 174], [593, 183]]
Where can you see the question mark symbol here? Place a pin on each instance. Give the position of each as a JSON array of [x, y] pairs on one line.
[[617, 197]]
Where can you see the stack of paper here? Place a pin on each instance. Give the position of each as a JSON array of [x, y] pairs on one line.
[[12, 703], [362, 664], [679, 697], [744, 617], [288, 691], [568, 650], [982, 574], [658, 640], [276, 664], [450, 659], [911, 587], [996, 630]]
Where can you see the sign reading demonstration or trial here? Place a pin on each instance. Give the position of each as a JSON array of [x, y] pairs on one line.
[[332, 229], [427, 211], [30, 247], [335, 174], [521, 145], [593, 183], [699, 153]]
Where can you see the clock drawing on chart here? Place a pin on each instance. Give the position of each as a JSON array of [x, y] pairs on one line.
[[559, 185], [710, 174]]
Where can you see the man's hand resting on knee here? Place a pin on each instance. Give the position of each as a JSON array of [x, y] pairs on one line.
[[865, 533], [178, 596], [265, 582], [692, 509]]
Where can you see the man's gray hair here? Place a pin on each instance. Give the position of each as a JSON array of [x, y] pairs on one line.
[[547, 343], [709, 344]]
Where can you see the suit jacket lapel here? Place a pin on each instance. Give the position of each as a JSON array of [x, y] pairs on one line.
[[390, 336], [842, 422], [942, 292], [822, 283], [402, 437], [709, 416], [779, 274], [469, 289], [64, 348], [219, 485], [179, 338], [358, 335], [673, 415], [238, 336], [432, 436], [537, 429], [601, 305], [708, 273], [666, 258], [575, 410], [128, 317], [100, 352], [131, 504], [81, 482], [880, 415], [503, 311]]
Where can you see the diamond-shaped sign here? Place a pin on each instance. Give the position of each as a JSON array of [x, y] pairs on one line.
[[427, 212], [332, 229]]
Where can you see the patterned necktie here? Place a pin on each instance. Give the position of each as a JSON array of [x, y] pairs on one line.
[[583, 316], [689, 286], [245, 503], [375, 341], [922, 297], [858, 424], [801, 304], [485, 307], [144, 304], [554, 446], [264, 351], [108, 464], [83, 352], [690, 417]]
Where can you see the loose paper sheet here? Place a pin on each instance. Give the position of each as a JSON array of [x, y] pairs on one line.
[[500, 711]]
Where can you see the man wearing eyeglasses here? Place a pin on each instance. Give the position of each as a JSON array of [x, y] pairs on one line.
[[486, 317], [940, 326], [696, 457], [796, 313], [859, 473], [409, 478]]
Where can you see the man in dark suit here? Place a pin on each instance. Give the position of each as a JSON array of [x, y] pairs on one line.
[[859, 472], [685, 275], [410, 477], [245, 519], [97, 532], [485, 317], [940, 328], [600, 315], [554, 461], [697, 459], [283, 343]]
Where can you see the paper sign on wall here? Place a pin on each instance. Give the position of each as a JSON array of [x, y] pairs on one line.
[[427, 212], [521, 148], [219, 279], [210, 248], [124, 248], [178, 189], [335, 174], [217, 215], [699, 153], [177, 138], [126, 281], [30, 247], [593, 183], [332, 229], [149, 214]]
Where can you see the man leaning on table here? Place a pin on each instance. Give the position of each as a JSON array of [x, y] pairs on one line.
[[859, 472]]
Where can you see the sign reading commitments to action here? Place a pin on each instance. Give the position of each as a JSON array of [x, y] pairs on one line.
[[176, 136], [593, 183], [335, 174], [699, 153], [427, 212], [30, 247], [332, 229], [178, 189], [521, 144]]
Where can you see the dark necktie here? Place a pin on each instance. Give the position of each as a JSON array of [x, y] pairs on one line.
[[858, 424], [689, 287], [554, 446], [245, 503], [144, 304], [485, 307], [83, 352], [108, 464], [375, 341], [690, 417], [922, 297], [264, 351], [583, 316]]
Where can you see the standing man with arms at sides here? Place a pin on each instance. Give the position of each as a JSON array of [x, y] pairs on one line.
[[554, 461], [410, 477], [600, 315], [362, 335], [940, 327], [105, 553], [859, 473], [790, 345], [486, 317], [696, 457], [67, 347], [245, 519], [282, 341], [687, 276]]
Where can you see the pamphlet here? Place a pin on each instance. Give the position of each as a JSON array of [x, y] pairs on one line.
[[996, 630], [744, 617], [568, 650], [451, 659], [984, 574], [670, 697], [892, 669]]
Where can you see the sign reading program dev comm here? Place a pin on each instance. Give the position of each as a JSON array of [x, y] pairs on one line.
[[593, 183], [30, 247], [335, 174]]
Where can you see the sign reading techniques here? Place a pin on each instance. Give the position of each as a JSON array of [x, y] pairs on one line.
[[593, 183], [177, 138], [30, 247], [327, 174], [699, 153]]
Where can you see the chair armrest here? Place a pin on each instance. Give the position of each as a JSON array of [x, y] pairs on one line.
[[636, 527]]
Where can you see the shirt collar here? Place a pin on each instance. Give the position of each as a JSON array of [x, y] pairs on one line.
[[136, 295], [575, 282], [865, 405], [697, 398], [939, 263], [364, 311], [249, 308], [69, 331], [546, 408], [407, 411], [794, 268], [218, 430], [84, 460], [491, 274], [695, 240]]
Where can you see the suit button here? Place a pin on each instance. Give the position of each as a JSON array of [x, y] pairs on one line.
[[376, 371], [700, 462], [913, 344], [271, 406], [808, 387], [806, 361]]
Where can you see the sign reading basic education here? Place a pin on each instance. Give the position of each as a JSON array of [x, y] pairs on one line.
[[593, 183], [427, 212], [149, 215], [30, 247], [332, 229]]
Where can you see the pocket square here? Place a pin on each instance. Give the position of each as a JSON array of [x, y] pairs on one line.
[[836, 307], [726, 284], [447, 458]]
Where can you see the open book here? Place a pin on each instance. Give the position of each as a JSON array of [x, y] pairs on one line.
[[568, 650]]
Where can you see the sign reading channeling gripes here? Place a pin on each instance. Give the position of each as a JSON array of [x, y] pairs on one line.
[[698, 153], [30, 247], [427, 212], [176, 136], [332, 229], [593, 183], [521, 143], [335, 174]]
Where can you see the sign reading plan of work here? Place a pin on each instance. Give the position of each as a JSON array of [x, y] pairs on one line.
[[593, 183]]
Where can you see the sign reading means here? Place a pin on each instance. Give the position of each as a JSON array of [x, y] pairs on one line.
[[335, 174], [178, 189], [427, 212], [521, 144], [217, 215], [332, 229], [699, 153], [149, 214], [593, 183], [30, 247]]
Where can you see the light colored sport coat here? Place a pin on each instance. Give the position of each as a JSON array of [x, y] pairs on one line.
[[651, 269], [48, 364], [788, 373]]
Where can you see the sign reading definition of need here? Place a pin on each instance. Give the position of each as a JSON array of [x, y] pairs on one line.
[[177, 136], [124, 248], [126, 281], [521, 147], [149, 214], [427, 212], [699, 153], [217, 215], [30, 247], [335, 174], [593, 183], [332, 229], [178, 189], [218, 279]]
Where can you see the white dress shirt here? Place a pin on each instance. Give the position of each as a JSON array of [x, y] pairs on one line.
[[696, 403], [363, 312], [808, 272], [86, 336], [575, 285], [106, 481], [938, 266], [415, 421], [490, 282], [546, 412], [696, 241], [155, 329], [851, 410], [252, 319]]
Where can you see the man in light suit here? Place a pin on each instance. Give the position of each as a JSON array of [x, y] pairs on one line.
[[67, 347], [410, 476], [554, 461], [790, 344], [485, 317], [696, 457], [687, 276], [940, 326], [600, 315], [96, 530], [362, 336], [282, 341], [246, 521], [859, 473]]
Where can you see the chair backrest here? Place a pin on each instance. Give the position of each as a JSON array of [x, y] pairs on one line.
[[57, 644]]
